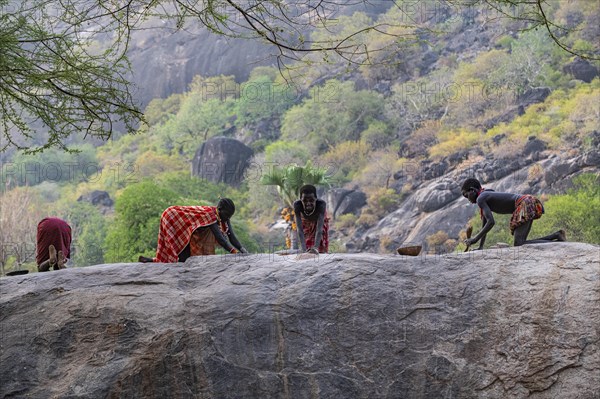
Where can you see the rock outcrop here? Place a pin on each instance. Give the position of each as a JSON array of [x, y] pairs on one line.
[[342, 201], [511, 323], [581, 69], [165, 61], [97, 197], [222, 160]]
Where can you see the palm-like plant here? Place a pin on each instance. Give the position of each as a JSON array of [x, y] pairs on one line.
[[288, 181]]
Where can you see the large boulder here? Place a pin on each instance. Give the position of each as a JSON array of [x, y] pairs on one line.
[[222, 160], [341, 201], [97, 197], [436, 195], [533, 96], [512, 323], [581, 69], [165, 62], [534, 147], [559, 168]]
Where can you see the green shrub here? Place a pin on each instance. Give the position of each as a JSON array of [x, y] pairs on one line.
[[383, 201], [577, 211], [346, 221], [89, 232], [367, 219], [134, 231]]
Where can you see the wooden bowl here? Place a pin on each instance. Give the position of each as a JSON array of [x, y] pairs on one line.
[[412, 250]]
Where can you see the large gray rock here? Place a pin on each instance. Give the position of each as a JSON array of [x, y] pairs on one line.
[[222, 160], [165, 62], [560, 168], [513, 323], [341, 201], [97, 197], [581, 69], [533, 96], [534, 147], [437, 195]]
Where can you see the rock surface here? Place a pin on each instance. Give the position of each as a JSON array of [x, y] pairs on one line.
[[222, 160], [581, 69], [97, 197], [342, 201], [165, 62], [511, 323]]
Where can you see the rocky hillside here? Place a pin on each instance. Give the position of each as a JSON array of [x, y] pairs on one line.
[[512, 323], [164, 61], [436, 203]]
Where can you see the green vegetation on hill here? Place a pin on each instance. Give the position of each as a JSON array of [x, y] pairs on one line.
[[577, 211]]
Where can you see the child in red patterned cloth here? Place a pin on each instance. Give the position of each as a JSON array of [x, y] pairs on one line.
[[312, 223], [195, 230], [524, 209]]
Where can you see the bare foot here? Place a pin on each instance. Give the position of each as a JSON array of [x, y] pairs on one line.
[[53, 258], [44, 266], [561, 235], [61, 261]]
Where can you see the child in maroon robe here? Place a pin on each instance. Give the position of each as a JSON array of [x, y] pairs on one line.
[[53, 244]]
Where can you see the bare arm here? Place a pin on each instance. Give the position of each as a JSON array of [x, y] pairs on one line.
[[300, 231], [299, 228], [319, 232], [233, 239], [489, 222], [482, 240], [223, 242]]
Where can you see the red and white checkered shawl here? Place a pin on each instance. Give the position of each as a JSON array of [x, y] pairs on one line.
[[177, 224]]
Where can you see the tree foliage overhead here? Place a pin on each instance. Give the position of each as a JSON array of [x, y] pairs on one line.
[[63, 65], [63, 68], [55, 78]]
